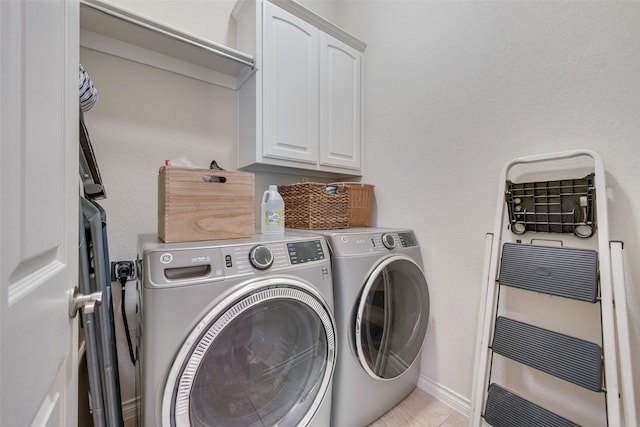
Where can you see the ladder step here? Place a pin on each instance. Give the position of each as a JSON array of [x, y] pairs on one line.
[[566, 272], [563, 356], [507, 409]]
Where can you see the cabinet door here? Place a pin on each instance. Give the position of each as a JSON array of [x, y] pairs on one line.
[[339, 104], [290, 73]]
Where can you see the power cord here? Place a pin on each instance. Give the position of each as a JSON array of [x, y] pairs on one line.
[[123, 273]]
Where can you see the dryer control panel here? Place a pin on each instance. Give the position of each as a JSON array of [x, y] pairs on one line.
[[365, 243]]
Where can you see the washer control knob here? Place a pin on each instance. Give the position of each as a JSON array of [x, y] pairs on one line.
[[261, 257], [388, 241]]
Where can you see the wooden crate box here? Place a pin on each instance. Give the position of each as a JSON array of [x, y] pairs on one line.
[[204, 204]]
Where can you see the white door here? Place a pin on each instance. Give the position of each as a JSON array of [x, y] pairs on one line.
[[38, 211], [339, 103], [290, 70]]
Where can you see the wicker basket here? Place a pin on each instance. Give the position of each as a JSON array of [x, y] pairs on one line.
[[308, 206], [360, 202]]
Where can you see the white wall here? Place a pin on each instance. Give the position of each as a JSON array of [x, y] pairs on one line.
[[208, 19], [452, 90], [328, 9]]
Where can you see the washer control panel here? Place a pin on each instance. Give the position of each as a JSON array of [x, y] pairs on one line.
[[261, 257], [269, 256], [408, 239], [172, 264], [243, 259], [388, 241], [301, 252]]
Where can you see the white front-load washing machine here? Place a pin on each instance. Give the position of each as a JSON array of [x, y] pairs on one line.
[[237, 332], [381, 302]]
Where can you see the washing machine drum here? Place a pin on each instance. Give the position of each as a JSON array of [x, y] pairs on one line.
[[391, 318], [265, 359]]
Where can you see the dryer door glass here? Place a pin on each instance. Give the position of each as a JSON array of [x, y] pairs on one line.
[[267, 360], [392, 317]]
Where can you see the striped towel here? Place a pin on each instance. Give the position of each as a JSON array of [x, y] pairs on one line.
[[88, 92]]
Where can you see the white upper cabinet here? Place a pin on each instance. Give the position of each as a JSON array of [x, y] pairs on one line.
[[339, 104], [300, 111], [291, 94]]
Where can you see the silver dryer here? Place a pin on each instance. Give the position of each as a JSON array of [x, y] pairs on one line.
[[382, 311]]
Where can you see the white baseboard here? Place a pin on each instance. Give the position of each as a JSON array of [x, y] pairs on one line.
[[445, 395]]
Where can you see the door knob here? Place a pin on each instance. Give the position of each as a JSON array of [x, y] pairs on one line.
[[78, 300]]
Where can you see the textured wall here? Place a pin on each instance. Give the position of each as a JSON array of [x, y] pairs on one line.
[[453, 91]]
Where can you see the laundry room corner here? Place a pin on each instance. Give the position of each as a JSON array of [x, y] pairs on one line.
[[451, 91]]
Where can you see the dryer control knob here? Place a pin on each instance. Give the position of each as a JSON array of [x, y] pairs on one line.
[[261, 257], [388, 241]]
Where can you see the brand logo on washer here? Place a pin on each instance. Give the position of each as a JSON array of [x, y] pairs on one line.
[[166, 258]]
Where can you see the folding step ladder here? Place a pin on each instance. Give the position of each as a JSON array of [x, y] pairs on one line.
[[569, 273]]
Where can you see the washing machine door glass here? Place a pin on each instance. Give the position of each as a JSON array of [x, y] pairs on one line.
[[391, 318], [264, 360]]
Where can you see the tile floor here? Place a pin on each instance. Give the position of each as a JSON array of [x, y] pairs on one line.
[[420, 409]]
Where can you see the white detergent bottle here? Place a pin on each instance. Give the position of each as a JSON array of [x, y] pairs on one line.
[[272, 211]]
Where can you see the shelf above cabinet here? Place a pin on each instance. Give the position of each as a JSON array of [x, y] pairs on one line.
[[148, 41]]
